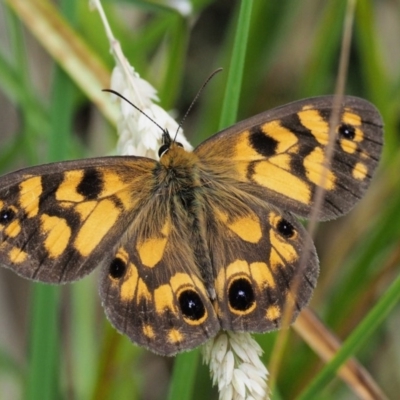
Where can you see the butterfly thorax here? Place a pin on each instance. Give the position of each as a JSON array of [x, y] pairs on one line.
[[179, 172]]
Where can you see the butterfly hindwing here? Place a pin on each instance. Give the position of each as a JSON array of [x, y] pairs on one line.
[[259, 260], [57, 219], [281, 153], [153, 290]]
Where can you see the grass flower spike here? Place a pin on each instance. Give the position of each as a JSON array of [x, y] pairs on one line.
[[235, 366], [137, 134]]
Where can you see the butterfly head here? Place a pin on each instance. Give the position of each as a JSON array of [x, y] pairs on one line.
[[168, 144]]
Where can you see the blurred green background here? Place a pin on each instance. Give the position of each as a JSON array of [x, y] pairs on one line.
[[292, 52]]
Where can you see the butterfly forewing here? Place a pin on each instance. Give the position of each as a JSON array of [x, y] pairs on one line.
[[57, 219], [256, 254], [281, 153]]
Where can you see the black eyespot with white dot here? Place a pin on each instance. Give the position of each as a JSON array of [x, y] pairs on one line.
[[117, 268], [347, 131], [285, 228], [6, 216], [191, 305], [241, 295]]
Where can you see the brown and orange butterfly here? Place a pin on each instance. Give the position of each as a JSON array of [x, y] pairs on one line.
[[197, 241]]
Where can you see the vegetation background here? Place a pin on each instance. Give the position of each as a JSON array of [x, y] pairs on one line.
[[54, 341]]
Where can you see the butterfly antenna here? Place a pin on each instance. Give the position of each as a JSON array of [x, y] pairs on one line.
[[195, 99], [133, 105]]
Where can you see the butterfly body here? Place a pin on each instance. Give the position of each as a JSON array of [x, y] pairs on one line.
[[197, 241]]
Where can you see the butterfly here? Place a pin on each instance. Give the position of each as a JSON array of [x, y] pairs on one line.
[[195, 242]]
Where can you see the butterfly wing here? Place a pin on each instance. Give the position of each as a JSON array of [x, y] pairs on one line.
[[263, 261], [153, 290], [57, 219], [280, 153]]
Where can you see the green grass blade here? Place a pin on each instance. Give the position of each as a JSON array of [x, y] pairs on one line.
[[318, 77], [235, 74], [355, 341], [42, 380], [84, 349], [184, 375], [174, 61]]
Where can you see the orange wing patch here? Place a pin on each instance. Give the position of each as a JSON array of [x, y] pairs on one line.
[[57, 233], [247, 227], [30, 191], [151, 250]]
